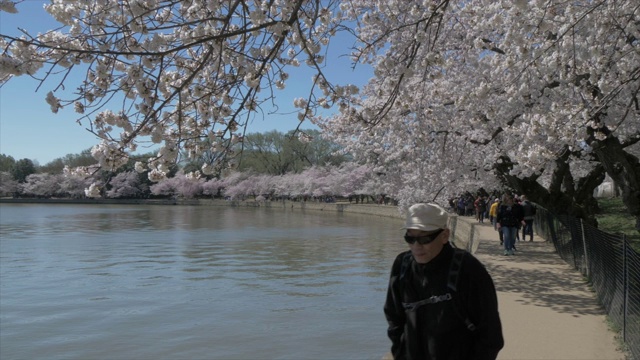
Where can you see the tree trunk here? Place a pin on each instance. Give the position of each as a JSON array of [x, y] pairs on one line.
[[564, 196], [623, 168]]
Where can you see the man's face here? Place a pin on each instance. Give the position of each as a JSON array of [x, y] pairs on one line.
[[425, 253]]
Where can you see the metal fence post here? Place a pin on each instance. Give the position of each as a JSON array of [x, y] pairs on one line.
[[584, 247], [625, 288]]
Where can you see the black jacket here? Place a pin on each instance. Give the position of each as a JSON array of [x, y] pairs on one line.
[[510, 216], [437, 331]]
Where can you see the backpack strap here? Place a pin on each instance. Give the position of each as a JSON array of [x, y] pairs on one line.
[[406, 262], [454, 268], [452, 284]]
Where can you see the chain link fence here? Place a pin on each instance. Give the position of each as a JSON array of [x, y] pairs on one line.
[[610, 264]]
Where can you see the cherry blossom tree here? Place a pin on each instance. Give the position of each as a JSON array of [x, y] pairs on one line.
[[539, 95], [347, 179], [344, 180], [264, 184], [41, 185], [241, 190], [316, 181], [231, 178], [8, 186], [285, 185], [127, 185], [83, 181], [73, 184], [188, 74], [181, 185], [211, 187]]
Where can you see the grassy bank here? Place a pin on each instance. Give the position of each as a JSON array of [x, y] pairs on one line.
[[615, 219]]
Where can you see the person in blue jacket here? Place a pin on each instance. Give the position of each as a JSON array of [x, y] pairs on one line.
[[441, 302]]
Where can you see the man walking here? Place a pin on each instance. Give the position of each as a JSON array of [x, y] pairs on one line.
[[510, 217], [441, 301]]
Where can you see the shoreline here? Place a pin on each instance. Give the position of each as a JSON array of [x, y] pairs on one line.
[[368, 209], [463, 232]]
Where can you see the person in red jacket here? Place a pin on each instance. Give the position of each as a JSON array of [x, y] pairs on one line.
[[441, 301]]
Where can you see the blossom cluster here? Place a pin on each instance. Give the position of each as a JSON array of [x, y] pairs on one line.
[[178, 83], [345, 180], [503, 89]]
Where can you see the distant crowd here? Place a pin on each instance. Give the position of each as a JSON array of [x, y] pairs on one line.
[[507, 213], [467, 204], [483, 206]]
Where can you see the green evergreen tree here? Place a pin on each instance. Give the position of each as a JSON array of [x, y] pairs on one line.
[[6, 162], [21, 169], [276, 153]]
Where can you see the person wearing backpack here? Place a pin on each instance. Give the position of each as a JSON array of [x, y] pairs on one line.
[[441, 301], [529, 211]]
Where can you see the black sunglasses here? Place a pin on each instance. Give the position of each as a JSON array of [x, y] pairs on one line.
[[422, 240]]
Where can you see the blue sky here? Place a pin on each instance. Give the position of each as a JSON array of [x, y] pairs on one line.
[[28, 129]]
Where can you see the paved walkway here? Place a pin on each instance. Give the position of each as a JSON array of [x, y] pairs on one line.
[[546, 307]]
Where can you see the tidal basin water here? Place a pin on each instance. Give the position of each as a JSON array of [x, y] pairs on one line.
[[180, 282]]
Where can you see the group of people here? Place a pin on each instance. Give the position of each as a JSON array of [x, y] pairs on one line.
[[469, 205], [464, 204], [515, 213], [508, 216], [441, 301]]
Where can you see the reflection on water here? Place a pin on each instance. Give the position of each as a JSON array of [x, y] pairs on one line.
[[179, 282]]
